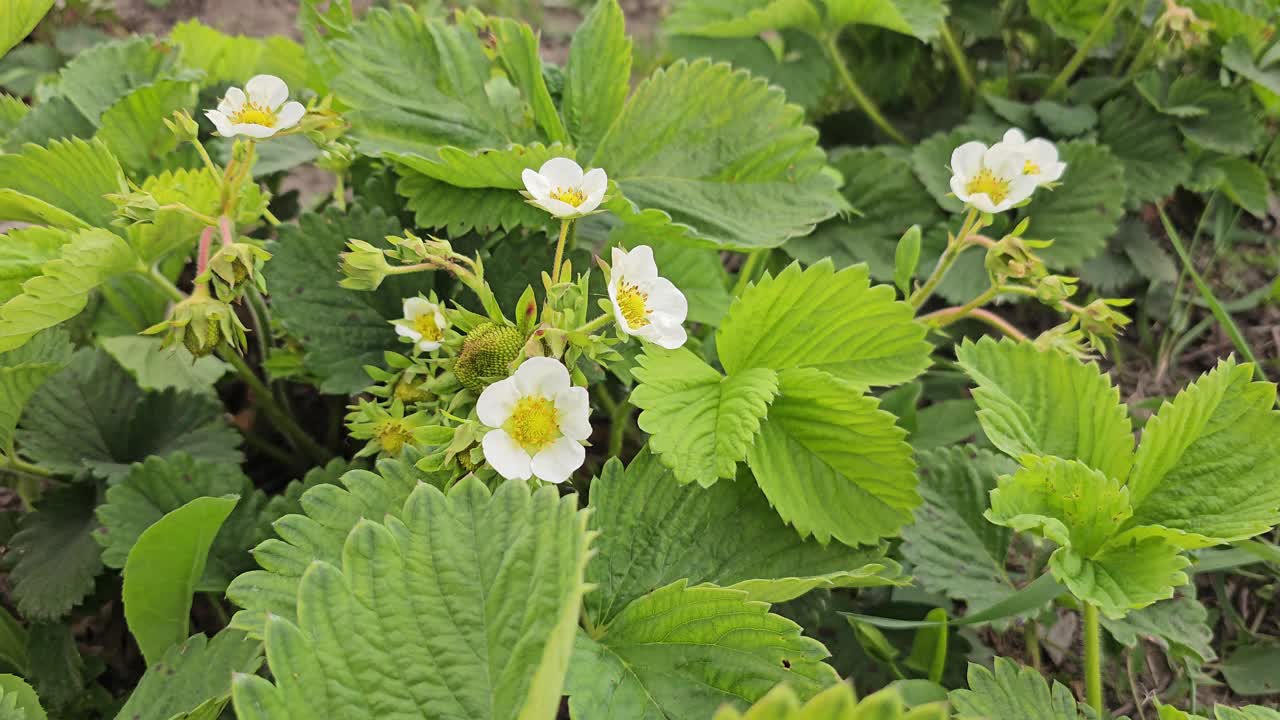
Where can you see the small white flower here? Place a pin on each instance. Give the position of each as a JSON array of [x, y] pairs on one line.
[[990, 179], [1041, 156], [423, 323], [646, 305], [258, 111], [539, 422], [561, 188]]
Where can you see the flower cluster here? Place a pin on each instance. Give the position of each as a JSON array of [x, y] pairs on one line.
[[997, 178]]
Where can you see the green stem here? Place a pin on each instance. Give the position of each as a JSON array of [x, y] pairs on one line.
[[864, 101], [1059, 83], [959, 60], [564, 232], [17, 464], [949, 256], [748, 271], [618, 419], [340, 192], [1031, 634], [278, 417], [204, 155], [596, 324], [1092, 657], [160, 281], [945, 317]]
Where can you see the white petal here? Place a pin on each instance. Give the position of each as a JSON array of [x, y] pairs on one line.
[[573, 409], [496, 402], [958, 186], [561, 172], [1005, 161], [982, 201], [289, 115], [441, 321], [1014, 136], [232, 101], [506, 456], [590, 203], [1041, 151], [638, 265], [543, 376], [266, 91], [416, 307], [556, 462], [966, 160], [665, 299], [595, 181], [535, 184], [1051, 172], [1021, 188], [220, 121], [617, 258], [429, 345], [253, 131], [559, 208], [406, 331], [668, 336]]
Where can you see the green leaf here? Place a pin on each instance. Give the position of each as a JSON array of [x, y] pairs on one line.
[[1207, 114], [832, 463], [1241, 180], [1081, 215], [174, 231], [96, 78], [655, 531], [598, 75], [1072, 19], [952, 548], [23, 371], [835, 703], [516, 49], [467, 608], [24, 252], [1044, 402], [71, 176], [191, 674], [53, 119], [341, 330], [154, 368], [486, 168], [1237, 56], [236, 58], [682, 652], [331, 512], [795, 62], [1065, 120], [92, 416], [832, 321], [13, 643], [437, 204], [134, 126], [18, 701], [56, 557], [920, 18], [1200, 468], [1013, 692], [57, 670], [743, 180], [889, 199], [700, 421], [740, 18], [20, 18], [162, 570], [1148, 145], [1180, 625], [1030, 599], [906, 258], [1251, 669], [1249, 712], [1132, 570], [1064, 500]]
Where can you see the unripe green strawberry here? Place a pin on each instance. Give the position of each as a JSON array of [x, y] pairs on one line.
[[487, 354]]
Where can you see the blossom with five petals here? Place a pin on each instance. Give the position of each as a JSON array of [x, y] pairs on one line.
[[259, 111], [539, 422], [645, 304], [561, 188], [423, 323]]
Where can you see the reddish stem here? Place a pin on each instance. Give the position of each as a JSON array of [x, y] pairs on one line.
[[224, 222], [202, 255]]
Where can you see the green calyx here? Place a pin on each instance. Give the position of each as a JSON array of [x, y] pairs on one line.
[[487, 354], [232, 266], [201, 323]]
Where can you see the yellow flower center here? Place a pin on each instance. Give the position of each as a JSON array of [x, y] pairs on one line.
[[534, 423], [250, 114], [633, 305], [986, 181], [392, 435], [1030, 168], [572, 196], [426, 326]]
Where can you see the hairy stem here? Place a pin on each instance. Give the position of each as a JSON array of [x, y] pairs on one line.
[[202, 254], [954, 247], [864, 101], [596, 324], [945, 317], [1059, 83], [1093, 658], [555, 269], [959, 60]]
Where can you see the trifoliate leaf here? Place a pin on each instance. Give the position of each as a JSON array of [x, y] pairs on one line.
[[1134, 569], [741, 18], [56, 557], [71, 176], [952, 548], [1013, 692], [24, 251], [18, 701], [24, 370], [889, 200], [919, 18], [659, 531], [1205, 466], [1044, 402], [682, 652], [700, 421], [819, 318], [341, 330], [236, 58], [1066, 501], [20, 18], [832, 463], [1207, 114], [1084, 212], [745, 180], [163, 569], [1180, 625], [191, 674], [1149, 146], [472, 602], [332, 511], [154, 368], [92, 416]]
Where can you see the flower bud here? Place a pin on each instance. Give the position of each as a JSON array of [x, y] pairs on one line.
[[232, 265], [134, 207], [336, 157], [364, 265], [183, 126], [1054, 289], [1013, 257], [487, 354], [201, 323]]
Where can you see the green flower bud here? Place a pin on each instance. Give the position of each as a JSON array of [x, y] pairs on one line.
[[134, 207], [487, 354], [1052, 290], [201, 323], [232, 266], [364, 265], [183, 126]]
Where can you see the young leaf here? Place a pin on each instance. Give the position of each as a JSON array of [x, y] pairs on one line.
[[437, 204], [701, 422], [18, 701], [235, 58], [1201, 469], [19, 19], [96, 78], [24, 370], [682, 652], [598, 75], [832, 321], [906, 258], [654, 531], [467, 608], [162, 571], [174, 231], [832, 463], [1132, 570], [1043, 402], [1013, 692], [516, 48], [1064, 500], [57, 559], [190, 674]]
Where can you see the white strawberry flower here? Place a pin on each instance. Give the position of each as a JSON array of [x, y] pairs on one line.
[[539, 421], [1041, 157], [259, 111], [645, 304], [562, 189], [423, 323], [990, 179]]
